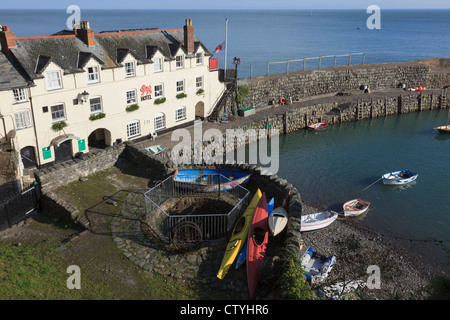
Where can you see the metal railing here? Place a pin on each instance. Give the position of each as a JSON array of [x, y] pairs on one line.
[[212, 225], [319, 61]]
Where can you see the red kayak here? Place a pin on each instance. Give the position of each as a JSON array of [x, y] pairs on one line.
[[257, 243]]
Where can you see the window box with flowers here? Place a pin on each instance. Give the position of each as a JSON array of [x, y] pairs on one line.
[[132, 108], [200, 91], [181, 95], [97, 116], [160, 100], [58, 126]]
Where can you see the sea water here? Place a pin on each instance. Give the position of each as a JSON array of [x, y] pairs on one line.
[[261, 36], [346, 161]]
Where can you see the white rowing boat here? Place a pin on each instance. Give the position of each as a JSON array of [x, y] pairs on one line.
[[317, 220], [355, 207], [399, 177]]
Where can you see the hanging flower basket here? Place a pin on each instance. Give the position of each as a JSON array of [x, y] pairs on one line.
[[58, 126]]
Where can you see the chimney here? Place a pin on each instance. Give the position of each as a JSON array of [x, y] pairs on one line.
[[189, 36], [86, 33], [7, 39]]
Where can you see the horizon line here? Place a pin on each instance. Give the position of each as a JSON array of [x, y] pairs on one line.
[[227, 9]]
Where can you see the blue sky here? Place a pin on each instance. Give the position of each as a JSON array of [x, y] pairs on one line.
[[226, 4]]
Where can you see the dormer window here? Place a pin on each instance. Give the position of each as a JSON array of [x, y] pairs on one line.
[[53, 79], [199, 59], [129, 69], [93, 75], [180, 62], [19, 95], [158, 64]]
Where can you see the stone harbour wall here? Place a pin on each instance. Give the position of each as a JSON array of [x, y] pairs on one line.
[[305, 84]]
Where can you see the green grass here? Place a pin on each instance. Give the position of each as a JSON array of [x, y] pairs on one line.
[[35, 273]]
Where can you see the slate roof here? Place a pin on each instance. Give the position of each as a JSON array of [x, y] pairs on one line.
[[11, 75], [72, 54]]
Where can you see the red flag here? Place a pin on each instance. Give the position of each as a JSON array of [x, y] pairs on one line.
[[220, 47]]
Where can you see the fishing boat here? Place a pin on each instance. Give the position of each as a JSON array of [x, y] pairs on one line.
[[355, 207], [278, 221], [257, 243], [316, 266], [154, 150], [318, 126], [319, 220], [242, 256], [210, 180], [239, 236], [399, 177]]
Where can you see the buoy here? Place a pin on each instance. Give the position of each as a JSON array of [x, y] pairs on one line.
[[282, 100]]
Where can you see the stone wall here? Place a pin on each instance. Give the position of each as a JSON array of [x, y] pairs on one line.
[[304, 84], [274, 187], [300, 116], [60, 174], [63, 173]]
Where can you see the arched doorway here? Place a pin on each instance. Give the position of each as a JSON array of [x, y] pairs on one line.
[[200, 110], [99, 139], [28, 155], [63, 151]]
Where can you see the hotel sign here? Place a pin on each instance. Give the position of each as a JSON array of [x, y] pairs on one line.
[[146, 92]]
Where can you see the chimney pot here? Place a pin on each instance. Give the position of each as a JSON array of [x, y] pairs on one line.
[[189, 36], [7, 39], [86, 33]]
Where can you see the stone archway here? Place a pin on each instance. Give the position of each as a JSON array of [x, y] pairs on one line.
[[99, 139], [200, 110]]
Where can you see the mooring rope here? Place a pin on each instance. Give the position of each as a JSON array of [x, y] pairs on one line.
[[370, 185]]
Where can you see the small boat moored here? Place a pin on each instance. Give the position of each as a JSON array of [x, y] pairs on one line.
[[399, 177], [443, 129], [355, 207], [446, 128], [318, 126], [319, 220], [278, 221], [316, 266]]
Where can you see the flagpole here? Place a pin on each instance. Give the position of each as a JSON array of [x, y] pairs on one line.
[[226, 48]]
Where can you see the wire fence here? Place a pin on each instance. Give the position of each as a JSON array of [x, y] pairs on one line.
[[311, 63]]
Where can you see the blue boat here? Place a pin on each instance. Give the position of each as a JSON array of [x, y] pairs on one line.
[[210, 180], [399, 177]]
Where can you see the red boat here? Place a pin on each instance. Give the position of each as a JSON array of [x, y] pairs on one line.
[[257, 243], [318, 126]]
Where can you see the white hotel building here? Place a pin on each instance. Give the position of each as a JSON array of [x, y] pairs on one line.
[[100, 88]]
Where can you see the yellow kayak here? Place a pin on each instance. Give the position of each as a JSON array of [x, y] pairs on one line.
[[239, 236]]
